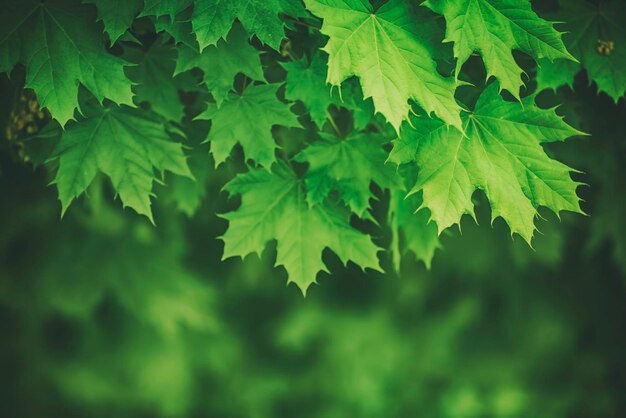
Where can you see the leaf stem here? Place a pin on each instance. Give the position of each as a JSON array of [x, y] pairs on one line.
[[333, 123]]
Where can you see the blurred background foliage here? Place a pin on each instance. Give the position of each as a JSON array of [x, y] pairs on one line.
[[104, 315]]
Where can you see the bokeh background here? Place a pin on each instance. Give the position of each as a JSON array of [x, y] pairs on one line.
[[104, 315]]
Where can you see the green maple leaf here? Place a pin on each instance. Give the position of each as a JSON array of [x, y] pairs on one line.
[[212, 19], [390, 51], [587, 26], [154, 78], [274, 207], [247, 119], [61, 47], [411, 231], [117, 15], [221, 63], [307, 83], [124, 143], [501, 154], [347, 166], [494, 28]]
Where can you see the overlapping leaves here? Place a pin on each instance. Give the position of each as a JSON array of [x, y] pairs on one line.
[[500, 153], [495, 28], [274, 207], [391, 52], [247, 119], [347, 166], [155, 66], [61, 48], [125, 144]]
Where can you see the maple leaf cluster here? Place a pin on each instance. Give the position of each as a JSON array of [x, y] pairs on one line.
[[328, 105]]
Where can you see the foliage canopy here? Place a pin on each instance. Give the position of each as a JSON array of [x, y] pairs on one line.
[[168, 166], [328, 105]]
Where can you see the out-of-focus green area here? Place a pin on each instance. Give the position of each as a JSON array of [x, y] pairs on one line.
[[104, 315]]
